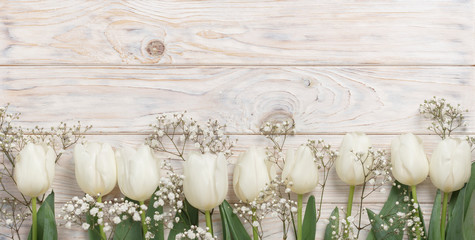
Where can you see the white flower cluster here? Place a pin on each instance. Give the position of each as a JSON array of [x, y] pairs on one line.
[[197, 233], [444, 116], [277, 133], [179, 129], [171, 198], [272, 200], [108, 213], [12, 214]]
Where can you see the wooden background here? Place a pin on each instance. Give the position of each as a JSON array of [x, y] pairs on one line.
[[333, 66]]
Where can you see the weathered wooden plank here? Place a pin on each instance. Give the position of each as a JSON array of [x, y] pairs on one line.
[[329, 100], [385, 32]]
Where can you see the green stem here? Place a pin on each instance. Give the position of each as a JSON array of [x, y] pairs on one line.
[[35, 227], [414, 196], [101, 227], [299, 216], [348, 210], [444, 216], [209, 224], [255, 232], [144, 226]]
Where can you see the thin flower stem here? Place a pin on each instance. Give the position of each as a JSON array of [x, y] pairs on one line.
[[35, 227], [101, 227], [299, 216], [144, 226], [443, 217], [209, 224], [414, 196], [348, 209], [255, 232]]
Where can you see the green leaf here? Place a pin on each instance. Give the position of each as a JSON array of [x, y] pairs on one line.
[[155, 227], [392, 232], [188, 217], [390, 210], [46, 220], [310, 220], [128, 229], [94, 233], [434, 226], [234, 225], [333, 225], [455, 225], [469, 223]]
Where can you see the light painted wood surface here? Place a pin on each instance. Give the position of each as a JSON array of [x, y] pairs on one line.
[[243, 63], [329, 100], [246, 32]]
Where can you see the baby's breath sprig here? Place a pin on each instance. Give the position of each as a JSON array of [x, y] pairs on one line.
[[277, 133], [195, 232], [471, 141], [12, 140], [272, 200], [376, 174], [178, 129], [108, 213], [325, 158], [12, 216], [444, 116]]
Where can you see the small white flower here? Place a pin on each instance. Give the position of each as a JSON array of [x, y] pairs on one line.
[[116, 220], [85, 226]]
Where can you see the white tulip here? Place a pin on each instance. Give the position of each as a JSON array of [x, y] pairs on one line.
[[34, 169], [95, 168], [347, 166], [409, 162], [450, 164], [252, 173], [206, 180], [138, 172], [301, 170]]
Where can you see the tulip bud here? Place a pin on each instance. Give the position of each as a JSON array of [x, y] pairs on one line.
[[95, 168], [34, 169], [409, 162], [450, 164], [348, 168], [252, 173], [301, 170], [206, 180], [138, 172]]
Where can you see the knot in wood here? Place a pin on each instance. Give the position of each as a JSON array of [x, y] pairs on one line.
[[155, 48]]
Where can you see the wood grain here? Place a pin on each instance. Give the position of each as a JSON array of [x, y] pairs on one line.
[[321, 100], [304, 32]]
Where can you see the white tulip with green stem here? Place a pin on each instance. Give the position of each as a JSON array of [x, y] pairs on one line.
[[450, 168], [252, 173], [96, 171], [410, 166], [301, 172], [138, 172], [206, 182], [354, 166], [33, 174]]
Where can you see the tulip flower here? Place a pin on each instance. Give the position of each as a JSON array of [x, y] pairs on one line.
[[138, 172], [33, 174], [353, 163], [301, 171], [450, 169], [252, 173], [409, 163], [347, 166], [206, 182], [95, 168]]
